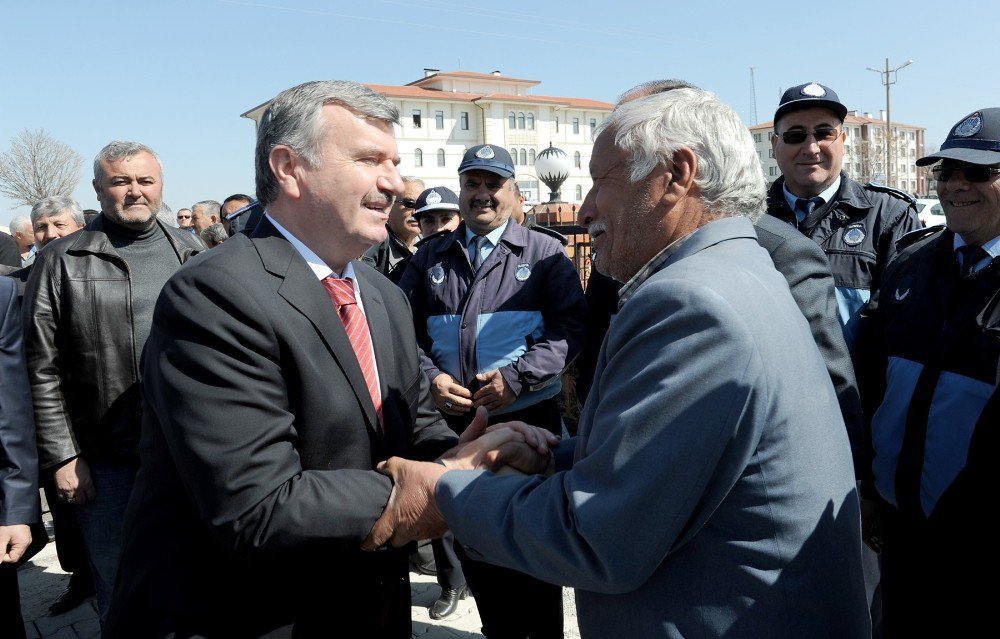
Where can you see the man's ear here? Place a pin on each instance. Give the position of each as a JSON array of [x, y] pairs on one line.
[[97, 186], [285, 164], [683, 169]]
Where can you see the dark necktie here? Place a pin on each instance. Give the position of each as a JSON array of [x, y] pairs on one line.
[[341, 291], [971, 255], [477, 251], [806, 206]]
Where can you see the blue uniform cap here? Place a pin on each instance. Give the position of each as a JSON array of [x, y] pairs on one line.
[[975, 139], [486, 157], [810, 96]]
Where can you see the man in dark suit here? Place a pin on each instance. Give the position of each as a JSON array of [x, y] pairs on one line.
[[265, 416], [18, 460]]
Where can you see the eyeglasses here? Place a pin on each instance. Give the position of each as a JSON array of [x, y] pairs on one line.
[[408, 203], [972, 172], [822, 134], [183, 217]]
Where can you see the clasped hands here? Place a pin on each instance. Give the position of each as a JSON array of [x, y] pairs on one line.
[[412, 511]]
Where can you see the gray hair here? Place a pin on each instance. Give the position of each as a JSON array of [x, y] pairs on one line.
[[166, 215], [211, 208], [650, 130], [20, 224], [295, 119], [214, 235], [652, 87], [54, 206], [120, 149], [409, 179]]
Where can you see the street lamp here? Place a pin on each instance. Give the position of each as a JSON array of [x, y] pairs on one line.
[[888, 80]]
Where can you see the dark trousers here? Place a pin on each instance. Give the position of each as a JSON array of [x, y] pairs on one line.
[[11, 623], [69, 542], [512, 604], [449, 568]]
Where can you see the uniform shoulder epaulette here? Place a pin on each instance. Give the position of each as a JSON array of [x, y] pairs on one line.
[[913, 237], [562, 239], [882, 188], [425, 240]]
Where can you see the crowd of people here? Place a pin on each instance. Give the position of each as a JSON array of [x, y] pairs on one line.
[[789, 394]]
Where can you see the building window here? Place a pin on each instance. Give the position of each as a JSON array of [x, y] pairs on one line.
[[772, 170], [531, 121], [520, 120], [524, 157], [576, 159], [579, 192], [531, 157], [576, 125], [440, 157], [756, 137], [511, 120], [418, 158], [557, 124], [464, 121], [513, 155], [593, 125], [770, 153], [439, 120], [416, 118]]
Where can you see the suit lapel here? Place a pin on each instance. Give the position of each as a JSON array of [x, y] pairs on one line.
[[379, 326], [301, 289]]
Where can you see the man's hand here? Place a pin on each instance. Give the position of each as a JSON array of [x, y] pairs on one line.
[[450, 396], [411, 512], [480, 447], [14, 540], [73, 482], [519, 457], [494, 393]]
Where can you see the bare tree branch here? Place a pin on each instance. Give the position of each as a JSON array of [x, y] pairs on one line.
[[38, 166]]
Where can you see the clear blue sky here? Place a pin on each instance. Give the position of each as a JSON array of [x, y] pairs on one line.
[[177, 74]]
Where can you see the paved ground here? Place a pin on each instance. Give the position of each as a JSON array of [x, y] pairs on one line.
[[42, 581]]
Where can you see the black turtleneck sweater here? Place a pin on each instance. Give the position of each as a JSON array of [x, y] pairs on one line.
[[151, 261]]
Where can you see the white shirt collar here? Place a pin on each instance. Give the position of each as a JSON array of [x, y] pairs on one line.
[[826, 195], [493, 236], [318, 266]]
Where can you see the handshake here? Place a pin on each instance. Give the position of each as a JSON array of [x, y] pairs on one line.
[[412, 512]]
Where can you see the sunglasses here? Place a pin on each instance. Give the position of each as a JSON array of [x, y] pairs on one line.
[[408, 203], [822, 134], [972, 172]]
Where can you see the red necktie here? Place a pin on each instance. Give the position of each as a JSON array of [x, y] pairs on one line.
[[341, 291]]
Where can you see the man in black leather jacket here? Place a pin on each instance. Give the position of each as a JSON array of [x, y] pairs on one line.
[[88, 308]]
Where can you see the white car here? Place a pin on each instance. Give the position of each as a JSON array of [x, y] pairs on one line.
[[930, 212]]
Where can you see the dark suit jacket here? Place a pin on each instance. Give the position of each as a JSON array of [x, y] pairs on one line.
[[10, 255], [807, 271], [259, 441], [18, 457]]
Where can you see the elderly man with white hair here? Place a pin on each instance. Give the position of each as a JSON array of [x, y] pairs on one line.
[[709, 492]]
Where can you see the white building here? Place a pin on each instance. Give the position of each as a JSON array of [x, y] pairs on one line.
[[864, 152], [445, 113]]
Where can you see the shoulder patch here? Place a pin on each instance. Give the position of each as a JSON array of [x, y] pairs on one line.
[[913, 237], [562, 239], [882, 188]]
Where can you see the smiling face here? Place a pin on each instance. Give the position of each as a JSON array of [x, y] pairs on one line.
[[809, 167], [972, 209], [130, 189], [340, 207], [486, 200], [624, 231]]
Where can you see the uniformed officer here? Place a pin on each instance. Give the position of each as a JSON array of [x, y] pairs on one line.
[[856, 226], [499, 312], [436, 210], [931, 352]]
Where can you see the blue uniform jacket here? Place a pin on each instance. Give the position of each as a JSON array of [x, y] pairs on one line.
[[522, 313]]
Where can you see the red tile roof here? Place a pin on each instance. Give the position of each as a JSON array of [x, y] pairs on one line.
[[468, 74], [407, 91]]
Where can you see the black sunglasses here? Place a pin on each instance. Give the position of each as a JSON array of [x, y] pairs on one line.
[[408, 203], [972, 172], [822, 134]]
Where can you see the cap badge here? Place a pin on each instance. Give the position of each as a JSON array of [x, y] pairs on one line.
[[433, 198], [437, 275], [969, 126], [485, 153], [813, 90], [523, 272], [854, 234]]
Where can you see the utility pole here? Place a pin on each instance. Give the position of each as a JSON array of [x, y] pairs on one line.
[[889, 77]]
